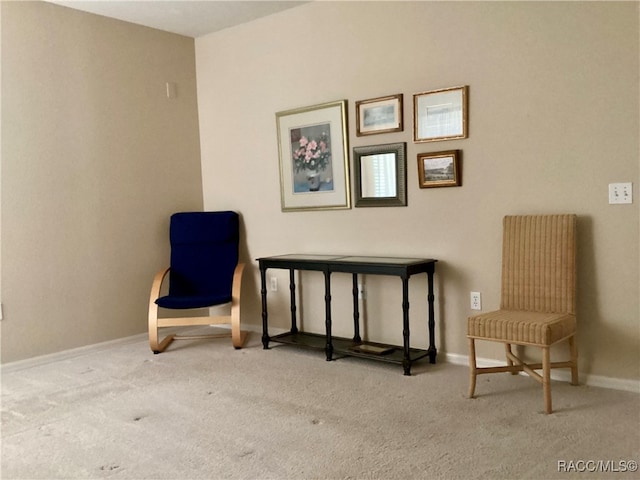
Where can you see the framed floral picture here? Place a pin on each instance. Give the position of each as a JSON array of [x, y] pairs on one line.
[[313, 154], [379, 115], [439, 169]]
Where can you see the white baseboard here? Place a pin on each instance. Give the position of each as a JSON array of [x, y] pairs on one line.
[[564, 375], [453, 358], [67, 354]]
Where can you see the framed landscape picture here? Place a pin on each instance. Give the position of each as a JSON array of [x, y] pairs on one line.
[[313, 156], [379, 115], [440, 169]]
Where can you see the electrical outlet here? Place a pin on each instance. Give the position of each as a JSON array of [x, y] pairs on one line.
[[620, 193], [476, 301], [274, 284]]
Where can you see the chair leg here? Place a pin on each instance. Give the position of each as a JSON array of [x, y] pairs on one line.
[[156, 346], [546, 378], [573, 348], [508, 352], [237, 336], [472, 367], [154, 343], [159, 347]]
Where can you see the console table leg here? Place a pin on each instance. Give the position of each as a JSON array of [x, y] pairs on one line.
[[406, 361], [430, 298], [263, 292], [327, 307], [356, 311], [292, 288]]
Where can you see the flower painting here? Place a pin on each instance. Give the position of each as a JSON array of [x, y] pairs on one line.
[[311, 157]]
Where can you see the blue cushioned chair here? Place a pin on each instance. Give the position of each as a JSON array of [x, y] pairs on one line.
[[204, 273]]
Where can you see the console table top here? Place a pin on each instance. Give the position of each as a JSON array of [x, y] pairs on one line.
[[346, 259]]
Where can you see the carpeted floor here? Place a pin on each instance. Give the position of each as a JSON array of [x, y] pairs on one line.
[[205, 410]]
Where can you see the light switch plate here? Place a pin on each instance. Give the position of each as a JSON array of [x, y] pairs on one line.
[[620, 193]]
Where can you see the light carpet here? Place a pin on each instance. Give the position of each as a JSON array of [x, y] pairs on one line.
[[203, 410]]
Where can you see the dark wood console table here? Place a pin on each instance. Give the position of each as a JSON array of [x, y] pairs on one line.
[[328, 264]]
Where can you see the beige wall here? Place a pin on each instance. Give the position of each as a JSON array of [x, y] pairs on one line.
[[94, 159], [553, 119]]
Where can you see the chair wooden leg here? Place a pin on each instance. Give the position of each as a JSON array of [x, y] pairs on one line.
[[546, 378], [159, 347], [237, 336], [472, 367], [573, 348], [508, 352], [156, 346]]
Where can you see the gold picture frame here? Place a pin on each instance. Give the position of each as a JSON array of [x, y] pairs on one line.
[[379, 115], [439, 169], [314, 157], [440, 114]]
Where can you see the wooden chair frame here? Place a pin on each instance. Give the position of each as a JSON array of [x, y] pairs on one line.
[[515, 365], [155, 323]]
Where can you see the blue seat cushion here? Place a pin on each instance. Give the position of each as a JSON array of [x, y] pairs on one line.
[[196, 301]]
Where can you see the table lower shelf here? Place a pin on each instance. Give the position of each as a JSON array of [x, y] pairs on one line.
[[346, 346]]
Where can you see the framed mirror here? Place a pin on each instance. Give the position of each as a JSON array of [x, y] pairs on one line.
[[380, 173]]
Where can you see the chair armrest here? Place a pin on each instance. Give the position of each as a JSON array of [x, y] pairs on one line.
[[156, 286]]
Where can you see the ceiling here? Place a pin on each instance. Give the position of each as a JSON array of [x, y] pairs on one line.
[[192, 18]]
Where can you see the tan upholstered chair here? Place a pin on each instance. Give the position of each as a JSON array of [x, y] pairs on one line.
[[537, 302]]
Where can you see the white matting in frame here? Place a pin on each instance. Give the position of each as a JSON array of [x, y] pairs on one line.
[[440, 114]]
